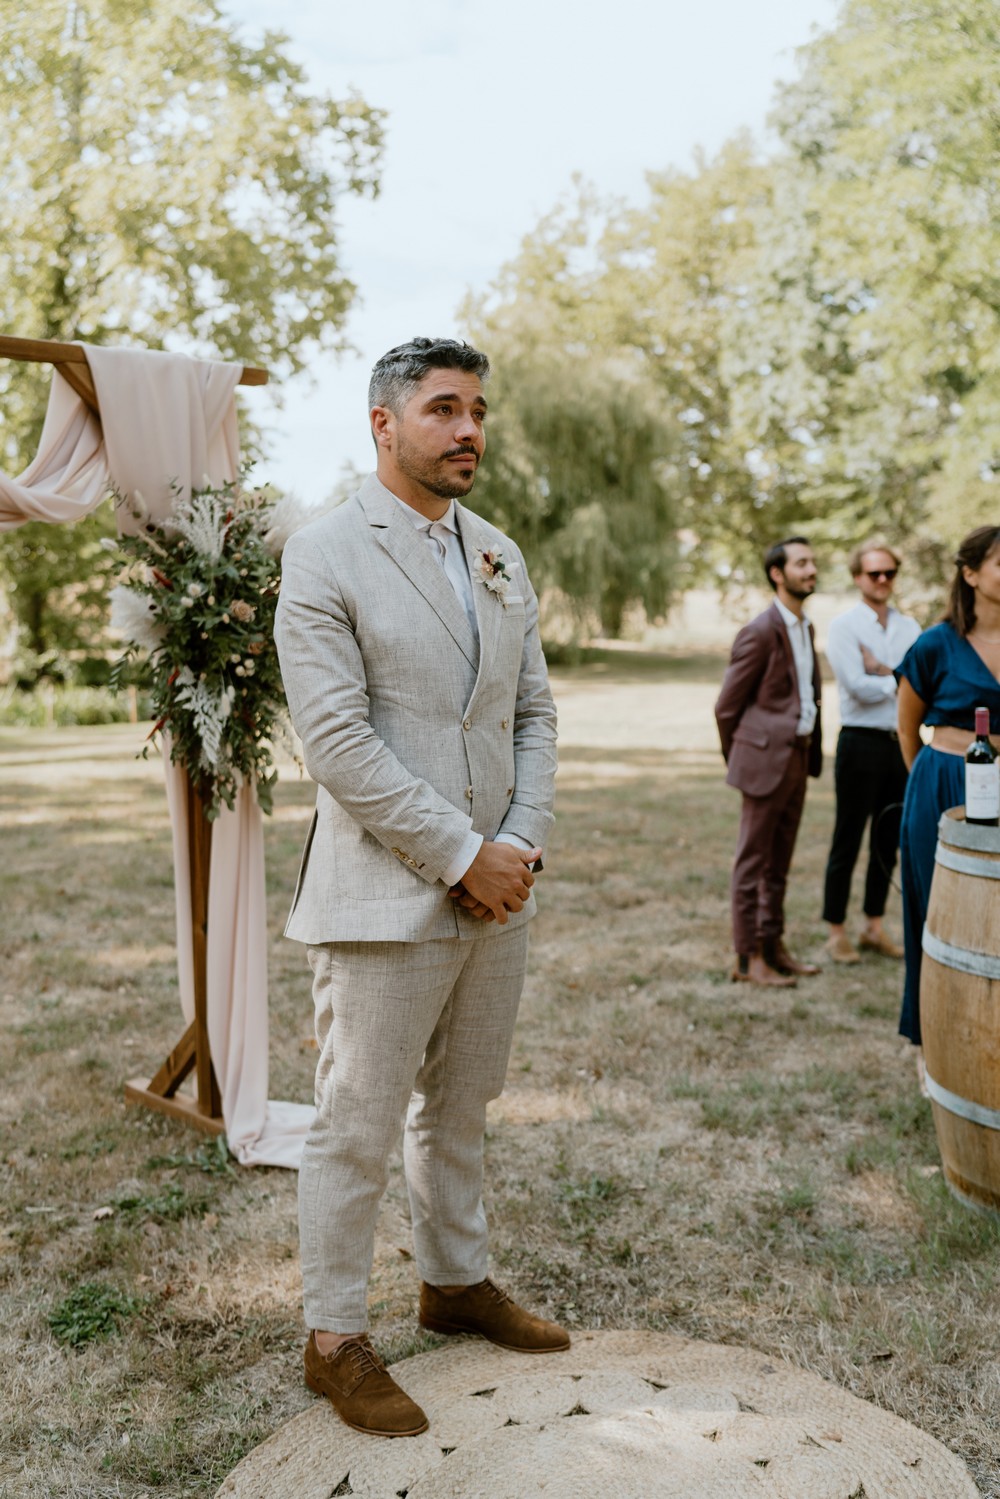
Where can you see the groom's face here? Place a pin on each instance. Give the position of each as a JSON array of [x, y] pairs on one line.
[[435, 446]]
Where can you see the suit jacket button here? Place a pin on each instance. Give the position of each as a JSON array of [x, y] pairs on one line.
[[467, 725], [468, 792], [510, 791], [504, 722]]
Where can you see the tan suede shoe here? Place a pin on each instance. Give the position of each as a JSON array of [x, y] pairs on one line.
[[842, 949], [880, 942], [487, 1310], [361, 1390]]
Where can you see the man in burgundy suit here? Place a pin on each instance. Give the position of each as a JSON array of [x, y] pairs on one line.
[[769, 724]]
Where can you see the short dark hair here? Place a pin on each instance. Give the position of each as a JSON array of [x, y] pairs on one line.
[[777, 556], [397, 374], [972, 552]]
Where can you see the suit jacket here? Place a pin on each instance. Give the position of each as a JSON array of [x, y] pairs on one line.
[[758, 708], [413, 731]]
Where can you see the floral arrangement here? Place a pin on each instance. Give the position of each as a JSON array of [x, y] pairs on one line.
[[491, 568], [196, 604]]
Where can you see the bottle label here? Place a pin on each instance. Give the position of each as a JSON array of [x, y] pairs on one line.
[[982, 791]]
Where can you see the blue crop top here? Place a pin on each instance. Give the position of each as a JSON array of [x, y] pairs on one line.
[[951, 678]]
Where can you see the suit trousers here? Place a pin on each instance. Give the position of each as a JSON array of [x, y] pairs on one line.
[[764, 848], [870, 781], [420, 1027]]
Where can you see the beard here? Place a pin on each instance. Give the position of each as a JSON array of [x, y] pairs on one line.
[[800, 590], [431, 474]]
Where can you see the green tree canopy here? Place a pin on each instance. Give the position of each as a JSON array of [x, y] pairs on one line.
[[167, 184], [815, 332], [579, 452], [876, 305]]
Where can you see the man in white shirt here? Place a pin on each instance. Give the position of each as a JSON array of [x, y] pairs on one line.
[[863, 646]]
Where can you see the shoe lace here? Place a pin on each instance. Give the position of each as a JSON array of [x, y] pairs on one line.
[[495, 1292], [364, 1358]]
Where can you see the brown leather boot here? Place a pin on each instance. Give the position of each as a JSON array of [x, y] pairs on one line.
[[487, 1310], [361, 1390], [777, 956], [752, 969]]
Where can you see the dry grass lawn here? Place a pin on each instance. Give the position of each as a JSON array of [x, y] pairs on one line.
[[673, 1151]]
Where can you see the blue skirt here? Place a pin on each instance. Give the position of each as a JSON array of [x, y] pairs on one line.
[[936, 782]]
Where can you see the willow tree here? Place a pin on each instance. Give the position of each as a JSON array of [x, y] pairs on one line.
[[579, 449], [169, 184]]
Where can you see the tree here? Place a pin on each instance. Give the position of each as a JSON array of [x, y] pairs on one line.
[[891, 134], [166, 184], [578, 449]]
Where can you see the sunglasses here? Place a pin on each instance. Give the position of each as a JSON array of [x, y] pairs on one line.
[[884, 572]]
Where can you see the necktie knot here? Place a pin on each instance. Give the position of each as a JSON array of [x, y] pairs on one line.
[[439, 535]]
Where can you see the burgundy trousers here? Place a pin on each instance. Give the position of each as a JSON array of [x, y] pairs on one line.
[[764, 848]]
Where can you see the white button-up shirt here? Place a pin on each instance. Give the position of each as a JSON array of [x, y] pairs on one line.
[[802, 653], [868, 701]]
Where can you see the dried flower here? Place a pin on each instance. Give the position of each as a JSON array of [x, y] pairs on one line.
[[192, 672], [133, 615]]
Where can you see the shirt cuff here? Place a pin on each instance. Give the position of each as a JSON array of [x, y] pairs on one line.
[[518, 842], [460, 863]]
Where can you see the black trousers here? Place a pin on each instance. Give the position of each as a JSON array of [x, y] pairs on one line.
[[870, 782]]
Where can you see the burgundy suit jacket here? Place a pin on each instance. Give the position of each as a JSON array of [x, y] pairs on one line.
[[758, 708]]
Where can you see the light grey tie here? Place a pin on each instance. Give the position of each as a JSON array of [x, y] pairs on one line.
[[454, 569]]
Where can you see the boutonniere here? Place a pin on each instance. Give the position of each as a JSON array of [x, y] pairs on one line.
[[491, 570]]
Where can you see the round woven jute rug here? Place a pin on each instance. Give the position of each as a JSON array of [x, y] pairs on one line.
[[621, 1415]]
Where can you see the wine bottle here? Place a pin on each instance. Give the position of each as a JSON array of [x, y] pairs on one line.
[[982, 776]]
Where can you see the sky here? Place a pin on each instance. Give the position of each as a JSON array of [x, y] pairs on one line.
[[491, 111]]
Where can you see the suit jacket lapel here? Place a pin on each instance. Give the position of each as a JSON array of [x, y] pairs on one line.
[[411, 553]]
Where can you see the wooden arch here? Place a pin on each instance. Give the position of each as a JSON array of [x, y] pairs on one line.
[[193, 1051]]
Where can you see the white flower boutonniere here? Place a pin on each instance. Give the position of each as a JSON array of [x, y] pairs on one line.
[[491, 569]]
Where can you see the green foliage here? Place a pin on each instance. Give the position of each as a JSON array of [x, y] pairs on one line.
[[578, 452], [57, 579], [167, 184], [211, 1158], [800, 342], [90, 1313], [46, 706], [197, 603], [164, 1204]]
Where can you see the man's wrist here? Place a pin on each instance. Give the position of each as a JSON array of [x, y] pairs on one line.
[[465, 856]]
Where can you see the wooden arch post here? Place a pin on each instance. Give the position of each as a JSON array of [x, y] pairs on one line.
[[193, 1051]]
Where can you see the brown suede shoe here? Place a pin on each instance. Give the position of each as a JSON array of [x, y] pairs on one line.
[[361, 1390], [751, 969], [776, 954], [487, 1310]]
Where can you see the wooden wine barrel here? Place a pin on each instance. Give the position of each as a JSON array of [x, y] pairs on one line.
[[960, 1007]]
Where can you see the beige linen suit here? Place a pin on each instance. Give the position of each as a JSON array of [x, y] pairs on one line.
[[414, 732]]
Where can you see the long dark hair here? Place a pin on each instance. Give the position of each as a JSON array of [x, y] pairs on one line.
[[972, 553]]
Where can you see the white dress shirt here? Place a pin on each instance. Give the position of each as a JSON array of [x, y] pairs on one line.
[[868, 701], [444, 540], [802, 653]]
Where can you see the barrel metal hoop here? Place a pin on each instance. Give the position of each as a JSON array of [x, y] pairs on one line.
[[982, 964], [978, 837], [983, 869], [976, 1113]]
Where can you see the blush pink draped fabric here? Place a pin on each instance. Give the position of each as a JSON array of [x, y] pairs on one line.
[[168, 419]]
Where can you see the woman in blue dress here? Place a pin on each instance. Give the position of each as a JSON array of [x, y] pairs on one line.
[[949, 671]]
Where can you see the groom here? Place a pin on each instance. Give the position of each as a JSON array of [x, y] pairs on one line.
[[408, 635]]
